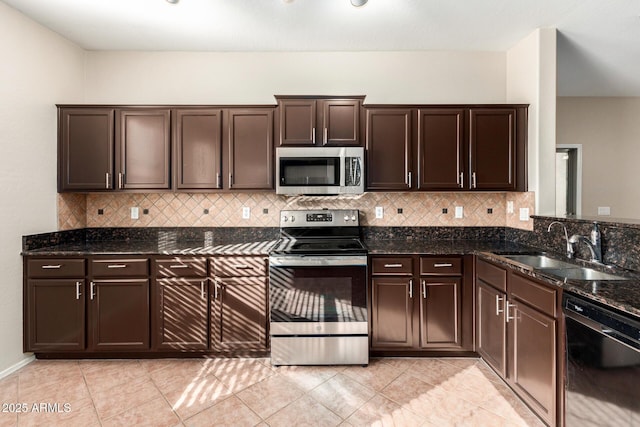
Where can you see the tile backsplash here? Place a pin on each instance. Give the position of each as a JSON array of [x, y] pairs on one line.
[[225, 209]]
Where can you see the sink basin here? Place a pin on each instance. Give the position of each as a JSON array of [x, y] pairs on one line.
[[582, 274], [539, 261]]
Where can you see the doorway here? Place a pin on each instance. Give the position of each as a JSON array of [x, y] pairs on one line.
[[568, 179]]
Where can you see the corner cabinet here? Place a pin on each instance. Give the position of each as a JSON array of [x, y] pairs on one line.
[[305, 121], [421, 304], [517, 334]]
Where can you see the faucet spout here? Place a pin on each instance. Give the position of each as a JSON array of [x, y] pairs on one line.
[[593, 242], [570, 251]]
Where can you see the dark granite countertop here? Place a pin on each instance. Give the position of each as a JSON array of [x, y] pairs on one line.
[[442, 247]]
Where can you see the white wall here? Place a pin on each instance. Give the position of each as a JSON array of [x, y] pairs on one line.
[[609, 131], [531, 79], [237, 78], [38, 69]]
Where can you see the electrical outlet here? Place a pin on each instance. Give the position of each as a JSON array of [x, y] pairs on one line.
[[510, 206], [524, 214], [135, 213], [604, 210], [246, 212], [379, 212], [459, 212]]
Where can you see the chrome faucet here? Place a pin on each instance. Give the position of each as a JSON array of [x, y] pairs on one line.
[[593, 242], [570, 251]]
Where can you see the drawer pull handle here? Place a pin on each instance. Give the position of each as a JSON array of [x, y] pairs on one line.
[[393, 266], [443, 264], [51, 267], [78, 294], [242, 267], [117, 266], [179, 266]]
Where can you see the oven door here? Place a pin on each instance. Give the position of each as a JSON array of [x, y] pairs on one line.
[[318, 295]]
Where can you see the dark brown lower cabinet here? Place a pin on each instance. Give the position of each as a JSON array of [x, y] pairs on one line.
[[440, 313], [392, 312], [55, 310], [181, 314], [119, 314], [517, 335], [491, 327], [238, 314]]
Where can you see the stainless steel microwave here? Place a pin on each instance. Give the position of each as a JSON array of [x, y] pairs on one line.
[[319, 170]]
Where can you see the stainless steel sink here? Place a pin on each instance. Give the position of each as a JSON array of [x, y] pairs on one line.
[[582, 273], [539, 261]]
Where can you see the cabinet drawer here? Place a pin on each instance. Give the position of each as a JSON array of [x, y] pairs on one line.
[[492, 275], [239, 266], [120, 267], [53, 268], [441, 266], [392, 266], [533, 293], [181, 267]]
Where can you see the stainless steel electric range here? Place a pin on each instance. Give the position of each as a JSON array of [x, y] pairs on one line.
[[318, 290]]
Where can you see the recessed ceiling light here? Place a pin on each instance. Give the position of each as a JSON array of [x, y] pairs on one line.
[[358, 3], [173, 1]]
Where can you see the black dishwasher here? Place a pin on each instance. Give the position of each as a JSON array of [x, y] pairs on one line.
[[603, 365]]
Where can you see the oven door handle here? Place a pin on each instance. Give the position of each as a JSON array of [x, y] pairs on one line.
[[283, 261]]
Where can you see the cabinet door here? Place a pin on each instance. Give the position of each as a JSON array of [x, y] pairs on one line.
[[341, 122], [143, 148], [533, 371], [297, 121], [198, 149], [251, 149], [182, 314], [492, 145], [392, 305], [239, 314], [388, 139], [441, 149], [86, 149], [55, 315], [440, 313], [119, 314], [491, 328]]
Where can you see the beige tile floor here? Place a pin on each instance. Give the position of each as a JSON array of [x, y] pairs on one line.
[[247, 392]]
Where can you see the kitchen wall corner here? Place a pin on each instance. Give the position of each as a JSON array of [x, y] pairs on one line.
[[224, 209]]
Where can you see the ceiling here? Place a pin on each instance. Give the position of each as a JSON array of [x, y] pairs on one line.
[[598, 40]]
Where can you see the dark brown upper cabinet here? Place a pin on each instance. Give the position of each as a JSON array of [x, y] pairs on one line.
[[389, 140], [307, 121], [441, 148], [454, 148], [143, 149], [250, 133], [85, 150], [198, 149]]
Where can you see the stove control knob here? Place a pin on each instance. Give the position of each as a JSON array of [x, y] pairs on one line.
[[293, 218], [346, 217], [285, 218], [353, 217]]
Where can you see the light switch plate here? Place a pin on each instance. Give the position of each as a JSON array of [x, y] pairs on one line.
[[246, 212], [510, 206], [524, 214], [459, 212], [379, 212], [604, 210], [135, 213]]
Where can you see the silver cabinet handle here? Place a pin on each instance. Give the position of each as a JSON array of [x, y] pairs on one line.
[[241, 266], [78, 294], [474, 184], [498, 299], [107, 180], [411, 288], [461, 180], [215, 290], [443, 264], [51, 267], [120, 180], [313, 135], [326, 136], [393, 266], [409, 180], [424, 289], [92, 290], [202, 289], [507, 308], [174, 266], [117, 266], [218, 179]]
